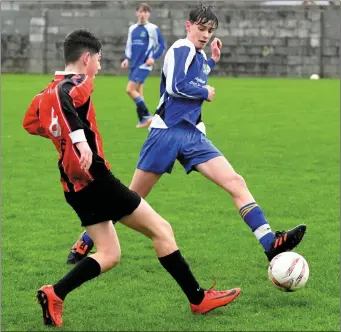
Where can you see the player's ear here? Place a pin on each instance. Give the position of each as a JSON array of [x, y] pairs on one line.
[[86, 58], [188, 25]]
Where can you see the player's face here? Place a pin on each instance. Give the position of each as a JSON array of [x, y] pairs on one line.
[[199, 34], [142, 16], [93, 64]]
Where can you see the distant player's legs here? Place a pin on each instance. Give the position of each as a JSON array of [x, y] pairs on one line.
[[134, 89], [222, 173], [133, 92], [108, 254], [147, 118], [146, 221]]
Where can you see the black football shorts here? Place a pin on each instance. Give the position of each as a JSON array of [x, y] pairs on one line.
[[102, 200]]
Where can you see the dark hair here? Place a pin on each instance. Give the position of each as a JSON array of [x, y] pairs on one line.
[[144, 6], [79, 41], [203, 14]]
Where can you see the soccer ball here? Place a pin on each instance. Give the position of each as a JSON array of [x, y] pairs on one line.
[[288, 271], [314, 77]]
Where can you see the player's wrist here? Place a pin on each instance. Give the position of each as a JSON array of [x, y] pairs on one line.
[[77, 136], [206, 93], [211, 63]]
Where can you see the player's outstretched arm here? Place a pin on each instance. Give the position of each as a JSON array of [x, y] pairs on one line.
[[216, 46]]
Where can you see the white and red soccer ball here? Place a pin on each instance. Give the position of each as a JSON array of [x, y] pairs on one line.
[[288, 271]]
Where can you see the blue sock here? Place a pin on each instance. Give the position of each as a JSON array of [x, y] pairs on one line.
[[142, 109], [255, 219], [87, 240]]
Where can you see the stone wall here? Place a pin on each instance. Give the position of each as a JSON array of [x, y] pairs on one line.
[[258, 41]]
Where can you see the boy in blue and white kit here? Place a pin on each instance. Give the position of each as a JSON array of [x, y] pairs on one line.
[[178, 133], [144, 45]]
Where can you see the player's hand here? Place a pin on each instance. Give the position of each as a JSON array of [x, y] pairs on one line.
[[211, 92], [149, 62], [86, 155], [216, 46], [124, 64]]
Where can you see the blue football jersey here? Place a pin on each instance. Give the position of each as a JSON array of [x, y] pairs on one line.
[[144, 41], [183, 86]]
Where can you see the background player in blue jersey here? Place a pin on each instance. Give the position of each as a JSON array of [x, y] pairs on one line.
[[178, 133], [145, 44]]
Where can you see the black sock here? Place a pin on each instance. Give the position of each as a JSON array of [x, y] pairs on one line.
[[178, 268], [87, 269], [140, 113], [146, 113]]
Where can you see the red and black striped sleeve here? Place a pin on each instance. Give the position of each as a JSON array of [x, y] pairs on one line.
[[74, 92], [31, 121], [67, 106]]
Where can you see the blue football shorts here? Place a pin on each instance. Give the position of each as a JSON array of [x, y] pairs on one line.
[[183, 142], [138, 75]]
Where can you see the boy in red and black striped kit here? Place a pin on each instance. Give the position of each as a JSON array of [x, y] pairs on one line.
[[64, 113], [67, 113]]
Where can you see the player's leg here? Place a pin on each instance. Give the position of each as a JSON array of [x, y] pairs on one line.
[[106, 198], [140, 89], [222, 173], [146, 221], [51, 297], [136, 78], [147, 117], [133, 92], [80, 249], [157, 157], [143, 182], [198, 153]]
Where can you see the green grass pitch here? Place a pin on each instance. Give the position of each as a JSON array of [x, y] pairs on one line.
[[282, 135]]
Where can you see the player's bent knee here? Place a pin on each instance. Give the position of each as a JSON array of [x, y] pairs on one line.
[[165, 233], [113, 260], [130, 89], [161, 230], [167, 229]]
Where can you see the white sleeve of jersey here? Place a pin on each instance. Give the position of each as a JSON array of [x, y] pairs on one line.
[[128, 44]]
